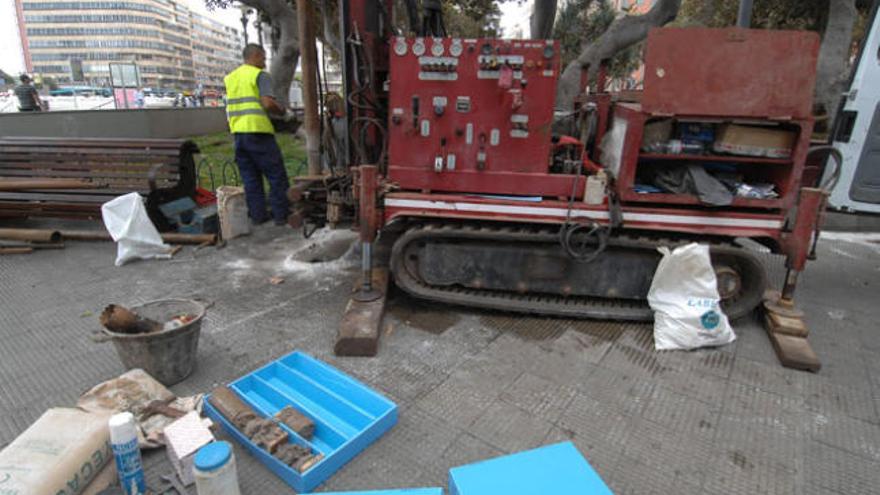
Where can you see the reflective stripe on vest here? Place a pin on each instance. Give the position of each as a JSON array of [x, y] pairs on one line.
[[243, 108]]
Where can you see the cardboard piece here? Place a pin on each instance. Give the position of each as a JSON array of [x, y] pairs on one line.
[[656, 132], [184, 438], [745, 140], [138, 392], [557, 469], [60, 454]]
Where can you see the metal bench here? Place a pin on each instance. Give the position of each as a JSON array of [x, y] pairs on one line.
[[90, 172]]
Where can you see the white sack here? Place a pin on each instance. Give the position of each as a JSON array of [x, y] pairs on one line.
[[232, 212], [684, 297], [129, 225]]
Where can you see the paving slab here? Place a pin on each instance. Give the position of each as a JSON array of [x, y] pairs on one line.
[[473, 384]]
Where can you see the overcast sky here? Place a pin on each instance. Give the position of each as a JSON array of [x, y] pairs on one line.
[[514, 20]]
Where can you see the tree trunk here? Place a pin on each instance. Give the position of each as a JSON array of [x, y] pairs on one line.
[[706, 14], [832, 70], [329, 34], [543, 16], [286, 54], [621, 34]]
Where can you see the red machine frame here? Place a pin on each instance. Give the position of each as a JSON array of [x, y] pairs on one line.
[[382, 200], [762, 219]]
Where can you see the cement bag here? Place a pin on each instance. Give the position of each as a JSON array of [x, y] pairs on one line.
[[60, 453], [684, 297], [232, 212], [128, 224]]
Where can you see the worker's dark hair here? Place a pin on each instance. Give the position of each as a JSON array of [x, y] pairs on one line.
[[25, 78], [250, 50]]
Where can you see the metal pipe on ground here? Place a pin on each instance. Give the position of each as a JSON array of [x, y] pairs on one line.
[[31, 235], [309, 61], [16, 250], [48, 245], [172, 237]]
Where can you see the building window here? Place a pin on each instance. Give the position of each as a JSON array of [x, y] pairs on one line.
[[145, 33], [94, 18]]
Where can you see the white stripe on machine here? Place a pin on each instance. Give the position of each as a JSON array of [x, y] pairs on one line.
[[597, 215]]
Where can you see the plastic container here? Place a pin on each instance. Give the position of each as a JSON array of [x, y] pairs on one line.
[[170, 355], [214, 470], [127, 454], [232, 212], [348, 415], [594, 194], [558, 469]]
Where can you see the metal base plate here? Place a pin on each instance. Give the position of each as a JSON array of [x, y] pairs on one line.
[[361, 295]]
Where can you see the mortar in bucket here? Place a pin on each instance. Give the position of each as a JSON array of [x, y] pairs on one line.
[[168, 355]]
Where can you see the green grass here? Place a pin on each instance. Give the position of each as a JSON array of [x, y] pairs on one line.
[[217, 158]]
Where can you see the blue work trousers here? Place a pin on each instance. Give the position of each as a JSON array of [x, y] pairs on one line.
[[258, 156]]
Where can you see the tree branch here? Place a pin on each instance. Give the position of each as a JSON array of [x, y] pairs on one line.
[[621, 34], [541, 21]]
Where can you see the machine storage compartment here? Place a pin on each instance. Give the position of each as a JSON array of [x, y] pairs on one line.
[[348, 415], [759, 161]]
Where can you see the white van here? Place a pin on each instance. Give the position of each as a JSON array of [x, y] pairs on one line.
[[857, 130]]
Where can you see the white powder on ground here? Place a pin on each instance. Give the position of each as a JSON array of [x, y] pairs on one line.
[[301, 258]]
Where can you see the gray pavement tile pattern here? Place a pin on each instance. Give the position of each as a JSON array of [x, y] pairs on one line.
[[473, 384]]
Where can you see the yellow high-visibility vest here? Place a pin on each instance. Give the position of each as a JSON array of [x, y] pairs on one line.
[[243, 109]]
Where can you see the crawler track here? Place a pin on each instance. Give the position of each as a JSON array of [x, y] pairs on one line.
[[524, 269]]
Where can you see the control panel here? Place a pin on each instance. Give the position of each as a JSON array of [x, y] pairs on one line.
[[463, 109]]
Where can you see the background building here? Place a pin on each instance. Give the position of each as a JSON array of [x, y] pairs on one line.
[[173, 47], [216, 51]]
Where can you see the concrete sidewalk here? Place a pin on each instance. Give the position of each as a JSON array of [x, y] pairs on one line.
[[473, 384]]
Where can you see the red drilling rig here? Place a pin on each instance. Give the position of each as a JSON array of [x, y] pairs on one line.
[[456, 162]]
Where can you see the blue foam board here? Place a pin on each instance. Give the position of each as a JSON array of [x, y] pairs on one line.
[[348, 415], [405, 491], [557, 469]]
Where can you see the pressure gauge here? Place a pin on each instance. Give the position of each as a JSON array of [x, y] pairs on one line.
[[418, 47], [400, 46], [455, 48], [437, 47]]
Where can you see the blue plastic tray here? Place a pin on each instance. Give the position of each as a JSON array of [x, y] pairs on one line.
[[405, 491], [348, 415], [557, 469]]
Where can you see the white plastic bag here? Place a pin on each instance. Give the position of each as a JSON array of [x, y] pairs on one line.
[[129, 225], [684, 297]]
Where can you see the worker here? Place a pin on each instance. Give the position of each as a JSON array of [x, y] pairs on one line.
[[249, 103], [28, 98]]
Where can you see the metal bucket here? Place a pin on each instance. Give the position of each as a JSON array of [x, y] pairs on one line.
[[170, 355]]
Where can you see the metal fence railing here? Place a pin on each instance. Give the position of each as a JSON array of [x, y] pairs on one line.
[[214, 170], [218, 169]]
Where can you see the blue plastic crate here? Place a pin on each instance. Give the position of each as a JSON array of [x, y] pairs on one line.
[[405, 491], [557, 469], [348, 415]]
